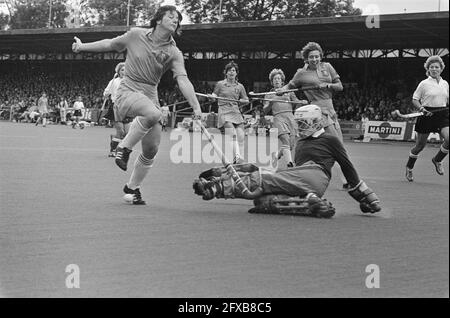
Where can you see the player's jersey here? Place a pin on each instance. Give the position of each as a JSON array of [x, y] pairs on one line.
[[112, 88], [430, 93], [325, 150], [147, 61], [78, 105], [325, 73], [229, 90], [280, 107]]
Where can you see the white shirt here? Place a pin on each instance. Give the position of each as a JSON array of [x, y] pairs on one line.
[[112, 87], [165, 111], [78, 105], [430, 93]]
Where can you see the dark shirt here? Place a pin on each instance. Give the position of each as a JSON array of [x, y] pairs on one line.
[[325, 150]]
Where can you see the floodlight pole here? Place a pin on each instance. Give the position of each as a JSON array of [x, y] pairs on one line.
[[50, 14], [128, 13], [220, 11]]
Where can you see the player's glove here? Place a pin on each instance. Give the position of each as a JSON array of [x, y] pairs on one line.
[[368, 200], [208, 189]]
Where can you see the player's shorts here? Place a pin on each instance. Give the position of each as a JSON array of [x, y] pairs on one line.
[[77, 113], [434, 123], [231, 117], [128, 102], [285, 124]]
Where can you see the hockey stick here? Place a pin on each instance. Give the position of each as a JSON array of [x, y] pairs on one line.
[[246, 193], [276, 100], [221, 98], [226, 99], [308, 88], [396, 113]]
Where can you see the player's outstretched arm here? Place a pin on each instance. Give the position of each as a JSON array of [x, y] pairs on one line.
[[97, 46]]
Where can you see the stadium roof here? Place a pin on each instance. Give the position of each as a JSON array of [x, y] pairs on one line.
[[414, 30]]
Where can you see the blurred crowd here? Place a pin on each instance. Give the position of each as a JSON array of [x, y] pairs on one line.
[[375, 102], [21, 91]]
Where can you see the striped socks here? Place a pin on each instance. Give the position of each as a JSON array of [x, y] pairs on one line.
[[141, 167], [136, 132]]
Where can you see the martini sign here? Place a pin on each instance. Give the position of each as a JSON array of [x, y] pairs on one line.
[[385, 130]]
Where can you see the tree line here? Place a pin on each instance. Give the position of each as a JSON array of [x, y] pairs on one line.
[[35, 14]]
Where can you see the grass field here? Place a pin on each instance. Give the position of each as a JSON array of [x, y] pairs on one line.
[[61, 203]]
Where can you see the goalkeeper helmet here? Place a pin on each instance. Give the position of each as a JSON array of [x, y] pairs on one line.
[[309, 120]]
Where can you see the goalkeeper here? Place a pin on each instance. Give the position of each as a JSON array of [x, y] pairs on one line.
[[316, 153]]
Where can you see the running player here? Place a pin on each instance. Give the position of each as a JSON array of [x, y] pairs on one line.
[[316, 153], [283, 115], [110, 94], [229, 114], [150, 53], [431, 95]]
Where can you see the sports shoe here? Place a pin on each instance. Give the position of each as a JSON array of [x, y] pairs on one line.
[[438, 166], [111, 154], [122, 157], [137, 197], [409, 175]]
